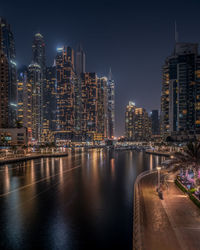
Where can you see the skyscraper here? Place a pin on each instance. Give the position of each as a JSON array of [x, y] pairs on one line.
[[155, 122], [24, 99], [39, 58], [129, 121], [4, 80], [8, 48], [89, 119], [50, 97], [111, 106], [77, 107], [38, 51], [80, 60], [49, 105], [137, 123], [34, 78], [65, 93], [142, 125], [180, 98], [102, 110]]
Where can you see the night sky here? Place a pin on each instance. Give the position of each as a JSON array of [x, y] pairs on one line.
[[131, 37]]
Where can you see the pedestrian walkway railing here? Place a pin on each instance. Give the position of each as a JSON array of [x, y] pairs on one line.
[[138, 230]]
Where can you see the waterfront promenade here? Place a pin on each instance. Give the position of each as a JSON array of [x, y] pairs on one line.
[[169, 224]]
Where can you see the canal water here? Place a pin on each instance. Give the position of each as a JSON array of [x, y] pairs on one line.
[[83, 201]]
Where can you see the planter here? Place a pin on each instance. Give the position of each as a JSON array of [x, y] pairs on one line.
[[186, 190]]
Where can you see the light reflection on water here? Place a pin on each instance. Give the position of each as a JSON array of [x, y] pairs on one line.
[[83, 201]]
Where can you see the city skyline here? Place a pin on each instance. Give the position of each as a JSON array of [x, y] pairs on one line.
[[99, 125], [125, 33]]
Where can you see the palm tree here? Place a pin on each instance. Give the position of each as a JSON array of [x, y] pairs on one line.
[[188, 159]]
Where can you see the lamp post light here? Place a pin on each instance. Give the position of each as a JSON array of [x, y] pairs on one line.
[[158, 168]]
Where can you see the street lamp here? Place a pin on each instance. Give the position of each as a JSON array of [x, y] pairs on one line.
[[158, 168]]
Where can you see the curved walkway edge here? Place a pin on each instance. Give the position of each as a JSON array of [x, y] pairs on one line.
[[137, 213]]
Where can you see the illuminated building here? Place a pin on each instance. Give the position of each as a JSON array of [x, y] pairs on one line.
[[89, 93], [180, 98], [65, 94], [8, 47], [24, 96], [3, 87], [79, 68], [137, 123], [102, 107], [142, 128], [50, 91], [38, 57], [34, 78], [155, 123], [129, 121], [38, 51], [111, 106], [13, 136], [49, 105], [77, 108], [80, 61]]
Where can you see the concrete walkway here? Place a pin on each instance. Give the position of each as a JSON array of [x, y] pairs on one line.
[[169, 224]]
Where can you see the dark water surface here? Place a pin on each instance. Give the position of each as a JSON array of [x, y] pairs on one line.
[[83, 201]]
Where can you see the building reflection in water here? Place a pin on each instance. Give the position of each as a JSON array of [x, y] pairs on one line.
[[32, 171], [151, 162], [112, 164], [61, 171], [47, 168], [7, 180]]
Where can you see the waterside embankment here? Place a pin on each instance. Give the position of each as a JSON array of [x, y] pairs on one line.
[[21, 158]]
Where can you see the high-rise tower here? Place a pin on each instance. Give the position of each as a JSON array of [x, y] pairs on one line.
[[80, 60], [65, 93], [137, 123], [102, 112], [49, 104], [38, 51], [155, 123], [180, 98], [39, 58], [111, 106], [34, 78], [129, 121], [8, 48], [89, 120], [24, 97], [4, 80]]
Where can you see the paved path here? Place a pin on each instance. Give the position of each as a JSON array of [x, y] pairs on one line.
[[169, 224]]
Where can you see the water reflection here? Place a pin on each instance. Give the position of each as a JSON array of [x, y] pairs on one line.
[[83, 201], [7, 180], [112, 164]]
